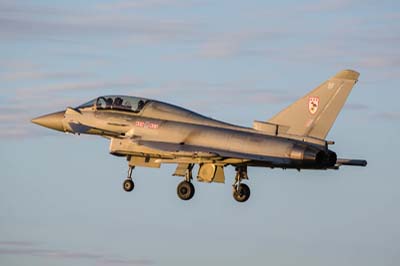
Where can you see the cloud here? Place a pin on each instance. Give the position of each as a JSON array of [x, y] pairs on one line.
[[126, 262], [14, 28], [36, 74], [237, 43], [347, 38], [389, 116], [209, 98], [356, 106], [146, 4], [36, 96], [329, 6], [15, 120], [17, 65], [22, 21], [86, 85], [380, 61], [16, 243], [220, 48], [27, 248]]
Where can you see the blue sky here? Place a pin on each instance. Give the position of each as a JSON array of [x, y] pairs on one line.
[[61, 198]]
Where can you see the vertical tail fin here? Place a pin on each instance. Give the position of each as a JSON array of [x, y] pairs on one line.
[[314, 114]]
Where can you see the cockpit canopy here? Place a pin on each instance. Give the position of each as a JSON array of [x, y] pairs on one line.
[[117, 102]]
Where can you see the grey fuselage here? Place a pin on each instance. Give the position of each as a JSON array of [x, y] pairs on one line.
[[168, 124]]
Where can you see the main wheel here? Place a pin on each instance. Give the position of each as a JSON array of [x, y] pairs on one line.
[[241, 193], [185, 190], [128, 185]]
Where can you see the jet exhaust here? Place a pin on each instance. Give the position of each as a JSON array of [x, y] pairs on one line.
[[312, 157]]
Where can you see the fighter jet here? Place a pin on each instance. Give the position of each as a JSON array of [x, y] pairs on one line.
[[149, 133]]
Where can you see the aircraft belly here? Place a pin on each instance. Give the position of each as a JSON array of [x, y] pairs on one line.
[[208, 138]]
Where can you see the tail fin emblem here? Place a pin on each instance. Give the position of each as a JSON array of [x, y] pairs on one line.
[[313, 103]]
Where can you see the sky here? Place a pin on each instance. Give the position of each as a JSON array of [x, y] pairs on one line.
[[61, 197]]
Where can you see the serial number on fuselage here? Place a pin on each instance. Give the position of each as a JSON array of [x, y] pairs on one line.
[[146, 124]]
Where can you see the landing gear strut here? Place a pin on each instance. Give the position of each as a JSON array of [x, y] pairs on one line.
[[241, 192], [185, 189], [128, 184]]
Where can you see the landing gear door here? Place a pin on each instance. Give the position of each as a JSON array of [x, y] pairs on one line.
[[211, 173]]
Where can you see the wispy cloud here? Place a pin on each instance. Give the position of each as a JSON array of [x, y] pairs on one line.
[[380, 61], [17, 65], [33, 249], [15, 116], [329, 5], [140, 4], [356, 106], [390, 116], [20, 20], [225, 95], [36, 74], [14, 243], [237, 43], [91, 85]]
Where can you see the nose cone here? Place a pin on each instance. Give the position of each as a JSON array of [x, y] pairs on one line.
[[52, 121]]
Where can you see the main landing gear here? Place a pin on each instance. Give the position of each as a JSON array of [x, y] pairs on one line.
[[128, 183], [185, 189], [241, 192]]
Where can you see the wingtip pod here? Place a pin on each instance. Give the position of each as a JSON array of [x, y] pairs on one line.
[[347, 74]]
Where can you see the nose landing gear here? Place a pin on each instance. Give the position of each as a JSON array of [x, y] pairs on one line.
[[128, 184]]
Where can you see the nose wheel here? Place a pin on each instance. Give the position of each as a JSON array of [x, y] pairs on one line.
[[241, 192], [128, 184]]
